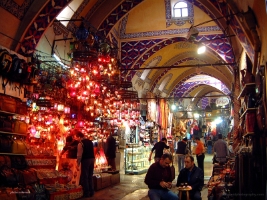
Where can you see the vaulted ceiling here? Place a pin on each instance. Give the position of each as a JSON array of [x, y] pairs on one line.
[[147, 37]]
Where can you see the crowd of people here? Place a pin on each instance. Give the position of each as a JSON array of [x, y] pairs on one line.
[[191, 176], [80, 155]]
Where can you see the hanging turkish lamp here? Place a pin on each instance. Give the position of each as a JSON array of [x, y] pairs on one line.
[[82, 33]]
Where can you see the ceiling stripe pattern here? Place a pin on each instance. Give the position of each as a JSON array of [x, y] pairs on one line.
[[131, 51], [193, 85], [180, 89], [124, 35], [17, 10], [161, 75], [129, 61], [117, 14], [222, 7], [204, 102], [39, 25], [36, 29]]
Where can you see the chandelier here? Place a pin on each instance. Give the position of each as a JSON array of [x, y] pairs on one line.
[[95, 81]]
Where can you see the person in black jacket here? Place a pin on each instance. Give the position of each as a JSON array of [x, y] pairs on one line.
[[110, 151], [86, 158], [159, 147], [159, 180], [192, 176], [181, 151]]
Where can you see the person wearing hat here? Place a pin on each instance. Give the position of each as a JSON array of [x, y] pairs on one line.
[[181, 151]]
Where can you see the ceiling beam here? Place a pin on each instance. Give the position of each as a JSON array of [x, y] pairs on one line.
[[182, 66]]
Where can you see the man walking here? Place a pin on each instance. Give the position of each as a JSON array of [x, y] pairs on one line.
[[220, 149], [181, 151], [158, 148]]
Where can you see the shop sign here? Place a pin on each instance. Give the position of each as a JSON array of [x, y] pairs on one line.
[[222, 101]]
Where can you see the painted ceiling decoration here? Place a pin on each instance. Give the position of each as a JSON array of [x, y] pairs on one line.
[[39, 25], [182, 87], [15, 9], [145, 47]]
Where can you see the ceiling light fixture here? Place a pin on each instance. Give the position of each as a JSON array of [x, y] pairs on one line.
[[201, 49]]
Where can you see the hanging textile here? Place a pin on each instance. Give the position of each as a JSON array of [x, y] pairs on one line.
[[236, 106], [151, 107]]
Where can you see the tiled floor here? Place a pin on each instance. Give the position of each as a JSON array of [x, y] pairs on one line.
[[132, 187]]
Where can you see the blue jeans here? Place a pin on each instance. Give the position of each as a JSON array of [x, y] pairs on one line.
[[86, 178], [158, 194], [180, 158], [209, 149]]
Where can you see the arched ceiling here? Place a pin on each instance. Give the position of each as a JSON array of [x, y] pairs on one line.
[[146, 37]]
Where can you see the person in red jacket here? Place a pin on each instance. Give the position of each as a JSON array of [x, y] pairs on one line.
[[200, 153]]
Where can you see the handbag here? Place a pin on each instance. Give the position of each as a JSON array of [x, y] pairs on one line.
[[20, 127], [19, 147]]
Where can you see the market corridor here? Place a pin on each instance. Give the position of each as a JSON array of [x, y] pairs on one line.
[[132, 187]]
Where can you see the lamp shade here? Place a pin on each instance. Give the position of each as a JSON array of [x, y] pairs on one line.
[[82, 33]]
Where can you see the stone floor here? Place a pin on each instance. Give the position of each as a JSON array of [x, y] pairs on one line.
[[132, 187]]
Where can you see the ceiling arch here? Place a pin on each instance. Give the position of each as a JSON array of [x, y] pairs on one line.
[[202, 93], [139, 29]]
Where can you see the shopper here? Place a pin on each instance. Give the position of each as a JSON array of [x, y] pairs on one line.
[[71, 145], [110, 152], [175, 143], [67, 165], [191, 176], [200, 153], [220, 150], [159, 180], [85, 157], [209, 145], [181, 151], [158, 148]]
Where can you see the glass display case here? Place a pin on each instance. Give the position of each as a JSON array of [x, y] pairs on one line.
[[136, 159]]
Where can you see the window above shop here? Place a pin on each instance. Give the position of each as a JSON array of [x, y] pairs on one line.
[[179, 12], [180, 9]]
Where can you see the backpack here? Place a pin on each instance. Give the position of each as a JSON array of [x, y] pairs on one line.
[[15, 72], [5, 62]]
